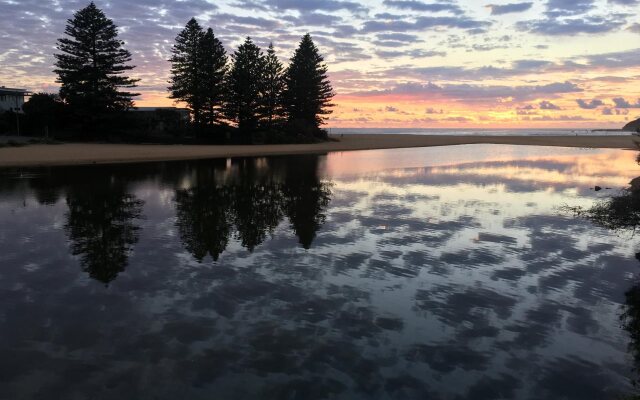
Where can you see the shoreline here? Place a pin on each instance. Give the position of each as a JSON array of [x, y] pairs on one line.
[[91, 153]]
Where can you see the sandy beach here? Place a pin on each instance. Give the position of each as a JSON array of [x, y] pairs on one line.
[[84, 153]]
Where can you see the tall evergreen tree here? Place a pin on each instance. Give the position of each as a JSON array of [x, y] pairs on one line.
[[187, 81], [244, 86], [308, 92], [214, 64], [91, 66], [272, 89]]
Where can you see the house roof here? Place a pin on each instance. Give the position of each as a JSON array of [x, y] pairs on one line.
[[6, 90]]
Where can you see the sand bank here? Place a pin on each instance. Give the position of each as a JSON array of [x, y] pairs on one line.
[[82, 154]]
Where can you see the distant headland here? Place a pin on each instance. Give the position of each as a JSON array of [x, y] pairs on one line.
[[632, 126]]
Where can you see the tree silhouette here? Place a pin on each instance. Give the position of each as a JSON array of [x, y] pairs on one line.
[[245, 82], [101, 227], [214, 64], [308, 92], [91, 66], [271, 109], [187, 82]]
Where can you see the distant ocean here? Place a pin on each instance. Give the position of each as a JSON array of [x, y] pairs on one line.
[[476, 132]]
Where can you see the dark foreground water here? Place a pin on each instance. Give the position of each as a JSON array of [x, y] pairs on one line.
[[442, 273]]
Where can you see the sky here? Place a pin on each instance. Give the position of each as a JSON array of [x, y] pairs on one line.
[[393, 63]]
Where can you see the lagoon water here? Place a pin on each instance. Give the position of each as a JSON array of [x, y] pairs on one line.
[[435, 273]]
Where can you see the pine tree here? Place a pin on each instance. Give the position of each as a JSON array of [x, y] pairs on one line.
[[214, 64], [187, 83], [272, 89], [308, 92], [91, 66], [245, 86]]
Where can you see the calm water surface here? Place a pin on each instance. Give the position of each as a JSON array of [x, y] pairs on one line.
[[441, 273]]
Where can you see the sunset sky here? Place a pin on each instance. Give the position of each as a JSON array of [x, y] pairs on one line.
[[393, 63]]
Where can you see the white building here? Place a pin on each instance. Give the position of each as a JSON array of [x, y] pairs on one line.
[[12, 99]]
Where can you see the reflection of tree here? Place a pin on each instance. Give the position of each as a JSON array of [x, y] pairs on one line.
[[258, 209], [306, 199], [250, 201], [204, 220], [101, 228], [246, 199], [46, 196]]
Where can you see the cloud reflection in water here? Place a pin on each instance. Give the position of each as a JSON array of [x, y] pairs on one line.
[[298, 277]]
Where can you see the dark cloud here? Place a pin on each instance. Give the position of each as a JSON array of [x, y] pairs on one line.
[[620, 59], [614, 60], [548, 118], [625, 2], [529, 109], [531, 65], [310, 5], [622, 103], [558, 8], [414, 5], [400, 37], [431, 110], [417, 53], [462, 120], [614, 111], [589, 105], [477, 93], [452, 73], [314, 19], [509, 8], [571, 26], [421, 23], [547, 105], [487, 47]]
